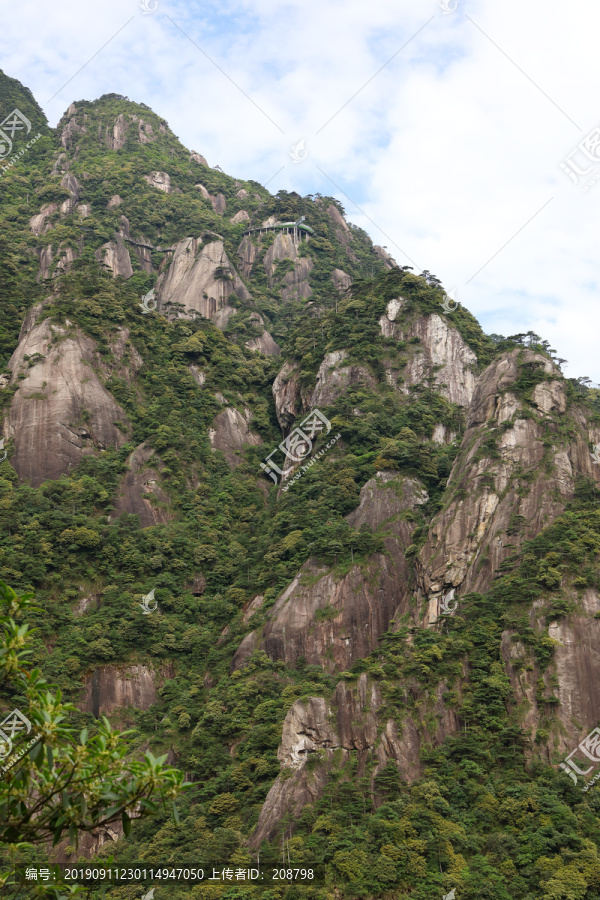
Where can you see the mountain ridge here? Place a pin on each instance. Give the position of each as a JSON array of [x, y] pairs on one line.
[[301, 667]]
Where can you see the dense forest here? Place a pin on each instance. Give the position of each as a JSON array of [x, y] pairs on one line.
[[373, 674]]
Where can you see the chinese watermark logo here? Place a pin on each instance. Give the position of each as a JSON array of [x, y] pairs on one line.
[[14, 723], [146, 601], [298, 444], [298, 151], [149, 895], [149, 303], [4, 453], [590, 748], [584, 159], [310, 463], [447, 7], [14, 122], [448, 301], [446, 609], [147, 7]]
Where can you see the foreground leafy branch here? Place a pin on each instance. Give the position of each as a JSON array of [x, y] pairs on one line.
[[67, 781]]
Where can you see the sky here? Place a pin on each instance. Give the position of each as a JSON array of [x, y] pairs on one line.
[[460, 134]]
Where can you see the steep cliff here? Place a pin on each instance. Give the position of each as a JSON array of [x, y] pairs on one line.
[[200, 277], [375, 637], [332, 621], [61, 411], [517, 467]]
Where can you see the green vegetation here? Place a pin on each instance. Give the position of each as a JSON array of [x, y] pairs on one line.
[[489, 816], [66, 782]]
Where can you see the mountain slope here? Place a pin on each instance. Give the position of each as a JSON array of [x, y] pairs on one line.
[[165, 328]]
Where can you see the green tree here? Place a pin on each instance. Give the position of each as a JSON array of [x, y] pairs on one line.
[[55, 781]]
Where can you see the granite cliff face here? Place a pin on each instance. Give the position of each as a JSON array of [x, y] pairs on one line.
[[61, 411], [140, 491], [509, 470], [344, 616], [231, 433], [113, 687], [200, 277], [524, 447], [437, 350], [333, 621], [434, 350], [328, 732], [293, 283], [320, 737]]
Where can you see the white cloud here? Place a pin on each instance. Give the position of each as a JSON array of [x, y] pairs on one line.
[[450, 149]]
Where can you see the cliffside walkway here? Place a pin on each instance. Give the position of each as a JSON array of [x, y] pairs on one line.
[[294, 228]]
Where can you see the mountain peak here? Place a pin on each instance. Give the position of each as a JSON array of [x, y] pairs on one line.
[[14, 95]]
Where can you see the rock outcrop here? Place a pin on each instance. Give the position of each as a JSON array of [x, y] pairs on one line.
[[116, 140], [38, 222], [341, 280], [576, 664], [337, 217], [113, 687], [320, 737], [231, 433], [289, 401], [293, 284], [264, 343], [200, 278], [335, 379], [66, 256], [387, 322], [441, 352], [160, 180], [139, 492], [505, 473], [44, 255], [61, 412], [333, 621], [388, 261], [70, 183], [309, 728], [115, 256], [88, 846], [248, 253], [126, 361], [70, 128], [571, 677], [114, 136], [218, 202]]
